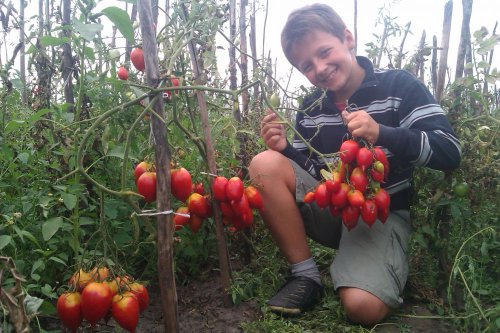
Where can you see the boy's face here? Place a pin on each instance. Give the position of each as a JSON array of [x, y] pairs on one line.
[[327, 62]]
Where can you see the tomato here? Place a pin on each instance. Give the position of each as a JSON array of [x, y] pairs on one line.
[[348, 151], [350, 215], [234, 189], [380, 156], [339, 198], [364, 157], [114, 285], [181, 184], [275, 100], [219, 188], [254, 197], [333, 185], [181, 220], [377, 175], [461, 189], [175, 83], [359, 179], [240, 207], [146, 186], [309, 197], [355, 198], [113, 54], [322, 196], [141, 168], [69, 309], [198, 205], [125, 310], [226, 209], [369, 212], [198, 188], [195, 223], [96, 301], [140, 291], [123, 73], [80, 279], [382, 199], [99, 274], [383, 214], [137, 59]]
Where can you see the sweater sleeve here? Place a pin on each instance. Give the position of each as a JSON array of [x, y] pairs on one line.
[[424, 136]]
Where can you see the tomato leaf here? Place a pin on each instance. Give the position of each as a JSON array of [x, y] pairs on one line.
[[69, 200], [53, 41], [4, 241], [87, 31], [32, 304], [50, 227], [120, 18]]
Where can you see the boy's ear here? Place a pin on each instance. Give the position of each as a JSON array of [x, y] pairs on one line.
[[349, 39]]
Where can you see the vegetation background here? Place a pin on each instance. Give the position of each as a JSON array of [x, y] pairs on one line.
[[71, 132]]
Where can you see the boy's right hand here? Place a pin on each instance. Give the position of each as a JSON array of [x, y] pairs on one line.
[[273, 131]]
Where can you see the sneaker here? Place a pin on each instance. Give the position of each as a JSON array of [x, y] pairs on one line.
[[298, 294]]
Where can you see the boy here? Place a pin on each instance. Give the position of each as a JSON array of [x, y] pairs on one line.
[[391, 109]]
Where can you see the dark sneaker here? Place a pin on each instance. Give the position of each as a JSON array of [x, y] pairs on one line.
[[298, 294]]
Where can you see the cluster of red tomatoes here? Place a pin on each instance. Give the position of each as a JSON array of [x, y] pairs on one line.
[[97, 296], [353, 188], [234, 199]]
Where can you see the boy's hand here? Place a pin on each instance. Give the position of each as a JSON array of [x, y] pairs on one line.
[[361, 125], [273, 132]]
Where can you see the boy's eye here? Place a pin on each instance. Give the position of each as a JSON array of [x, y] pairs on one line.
[[305, 68], [324, 53]]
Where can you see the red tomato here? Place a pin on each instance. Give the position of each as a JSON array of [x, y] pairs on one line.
[[137, 58], [382, 199], [369, 212], [364, 157], [69, 309], [254, 197], [219, 188], [146, 186], [181, 183], [180, 220], [175, 83], [96, 301], [322, 196], [226, 209], [140, 291], [123, 73], [355, 198], [309, 197], [350, 215], [195, 223], [234, 189], [339, 198], [198, 188], [241, 207], [348, 151], [125, 310], [380, 156], [80, 279], [359, 179]]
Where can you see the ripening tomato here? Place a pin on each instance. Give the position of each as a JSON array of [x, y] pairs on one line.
[[113, 284], [69, 309], [359, 179], [122, 73], [355, 198], [125, 310], [137, 59], [234, 189], [382, 199], [254, 197], [339, 198], [309, 197], [96, 301], [219, 188], [140, 291], [181, 183], [99, 274], [348, 151], [275, 100], [198, 205], [333, 185], [146, 186], [382, 157], [80, 279], [369, 212], [141, 168], [181, 220], [376, 175]]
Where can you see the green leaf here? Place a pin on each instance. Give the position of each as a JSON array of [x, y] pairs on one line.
[[4, 241], [120, 18], [56, 259], [23, 157], [47, 309], [53, 41], [13, 125], [119, 151], [86, 221], [37, 116], [89, 53], [87, 31], [50, 227], [69, 200]]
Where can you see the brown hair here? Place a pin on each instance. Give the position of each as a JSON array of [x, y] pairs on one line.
[[308, 18]]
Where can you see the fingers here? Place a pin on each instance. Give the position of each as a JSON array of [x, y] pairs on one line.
[[361, 125], [273, 131]]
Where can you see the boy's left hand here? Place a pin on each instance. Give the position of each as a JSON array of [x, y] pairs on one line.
[[361, 125]]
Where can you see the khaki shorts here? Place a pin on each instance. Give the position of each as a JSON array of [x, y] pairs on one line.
[[373, 259]]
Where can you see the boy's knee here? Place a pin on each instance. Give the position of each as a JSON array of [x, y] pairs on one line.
[[363, 307], [265, 161]]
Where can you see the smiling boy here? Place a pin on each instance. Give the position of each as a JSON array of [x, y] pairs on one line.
[[391, 109]]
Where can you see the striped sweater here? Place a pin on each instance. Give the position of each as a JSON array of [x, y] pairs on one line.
[[414, 131]]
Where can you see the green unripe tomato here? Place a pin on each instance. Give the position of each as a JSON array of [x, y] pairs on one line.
[[113, 54], [275, 100], [461, 189]]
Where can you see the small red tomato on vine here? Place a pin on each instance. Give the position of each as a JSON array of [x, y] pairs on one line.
[[146, 186], [69, 309], [137, 59], [123, 73]]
